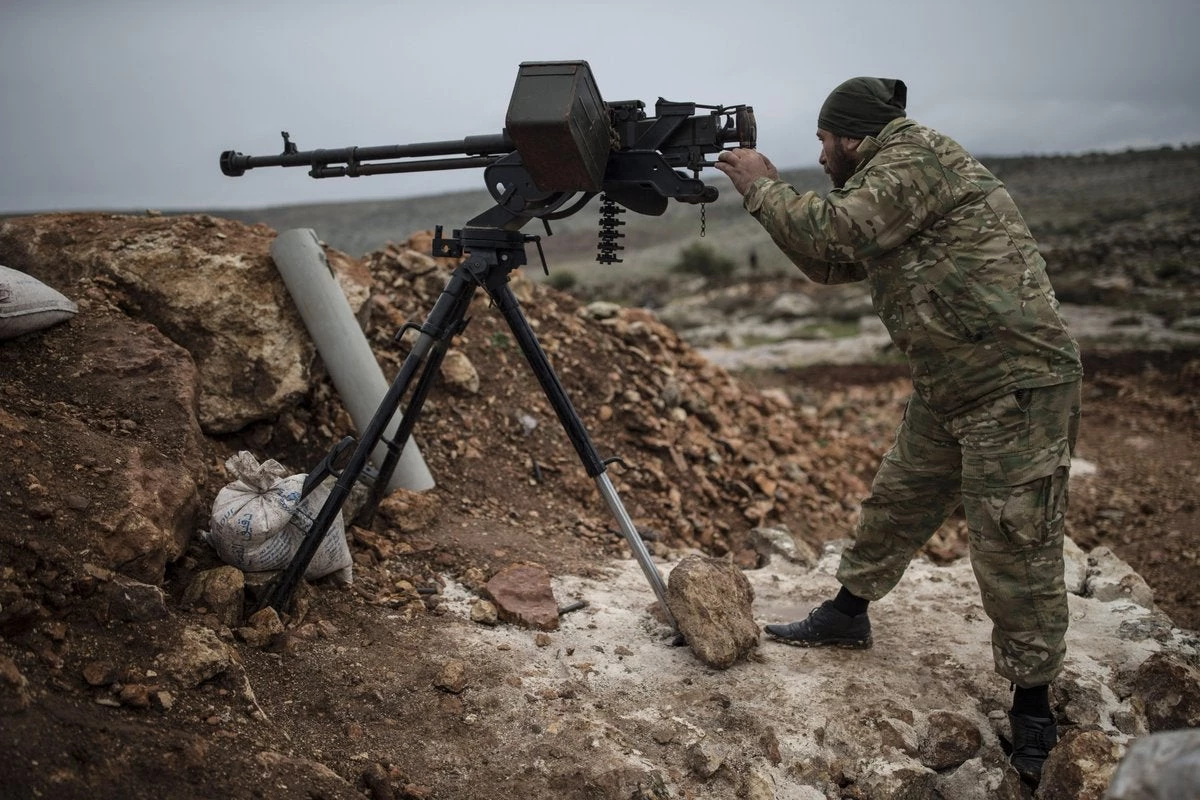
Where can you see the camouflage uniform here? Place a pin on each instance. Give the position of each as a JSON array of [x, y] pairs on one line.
[[958, 280]]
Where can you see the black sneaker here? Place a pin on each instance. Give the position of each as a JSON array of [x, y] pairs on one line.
[[825, 626], [1032, 740]]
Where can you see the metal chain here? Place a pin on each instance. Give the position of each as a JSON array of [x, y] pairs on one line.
[[703, 220]]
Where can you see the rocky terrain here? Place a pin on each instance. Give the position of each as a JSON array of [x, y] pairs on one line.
[[132, 664]]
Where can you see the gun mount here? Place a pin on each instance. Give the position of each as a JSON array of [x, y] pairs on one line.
[[561, 146]]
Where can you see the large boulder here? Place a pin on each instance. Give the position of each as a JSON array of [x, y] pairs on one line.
[[99, 427], [209, 284], [1080, 766], [1161, 766], [711, 601], [1167, 688]]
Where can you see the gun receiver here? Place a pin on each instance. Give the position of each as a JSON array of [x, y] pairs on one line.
[[560, 139]]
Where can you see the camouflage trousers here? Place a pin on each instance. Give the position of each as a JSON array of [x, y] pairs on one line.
[[1007, 462]]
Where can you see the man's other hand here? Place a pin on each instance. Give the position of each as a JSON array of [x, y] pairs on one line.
[[744, 167]]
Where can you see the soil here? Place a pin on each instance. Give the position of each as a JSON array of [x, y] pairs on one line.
[[360, 695], [343, 704]]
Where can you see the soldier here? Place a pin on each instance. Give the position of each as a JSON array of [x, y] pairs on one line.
[[991, 423]]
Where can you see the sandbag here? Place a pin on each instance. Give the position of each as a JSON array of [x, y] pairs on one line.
[[259, 521], [28, 305]]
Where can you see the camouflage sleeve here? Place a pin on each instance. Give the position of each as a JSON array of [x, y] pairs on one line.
[[816, 269], [901, 191]]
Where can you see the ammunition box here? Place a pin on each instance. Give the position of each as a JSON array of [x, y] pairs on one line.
[[560, 126]]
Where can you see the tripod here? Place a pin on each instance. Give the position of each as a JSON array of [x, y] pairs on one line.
[[493, 253]]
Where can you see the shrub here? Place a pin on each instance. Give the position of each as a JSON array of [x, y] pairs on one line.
[[700, 259], [564, 280]]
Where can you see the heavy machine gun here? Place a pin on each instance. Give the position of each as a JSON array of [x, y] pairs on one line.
[[561, 146]]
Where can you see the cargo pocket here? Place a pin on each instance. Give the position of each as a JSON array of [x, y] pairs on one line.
[[1018, 500]]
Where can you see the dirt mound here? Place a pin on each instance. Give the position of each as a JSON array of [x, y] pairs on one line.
[[705, 457]]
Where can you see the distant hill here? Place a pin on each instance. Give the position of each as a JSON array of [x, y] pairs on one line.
[[1061, 197], [361, 227]]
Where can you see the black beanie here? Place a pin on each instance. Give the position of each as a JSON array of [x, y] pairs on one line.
[[860, 107]]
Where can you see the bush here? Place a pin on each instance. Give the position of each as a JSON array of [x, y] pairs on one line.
[[700, 259], [564, 280]]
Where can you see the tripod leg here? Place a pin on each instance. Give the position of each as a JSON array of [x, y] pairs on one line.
[[443, 321], [510, 307], [395, 447]]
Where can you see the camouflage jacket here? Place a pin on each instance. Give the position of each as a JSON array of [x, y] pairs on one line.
[[954, 273]]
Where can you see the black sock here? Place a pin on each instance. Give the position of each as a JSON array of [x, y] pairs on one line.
[[1033, 701], [849, 603]]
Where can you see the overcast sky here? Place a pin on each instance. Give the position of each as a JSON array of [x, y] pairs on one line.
[[123, 104]]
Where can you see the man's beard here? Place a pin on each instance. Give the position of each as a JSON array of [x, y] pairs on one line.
[[840, 165]]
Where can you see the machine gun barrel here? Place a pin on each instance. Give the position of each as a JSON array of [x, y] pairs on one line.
[[475, 151], [560, 138]]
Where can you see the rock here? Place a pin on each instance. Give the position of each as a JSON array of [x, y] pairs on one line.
[[758, 785], [895, 780], [459, 373], [14, 687], [208, 283], [136, 695], [1075, 566], [1161, 766], [262, 628], [704, 758], [805, 792], [1168, 689], [409, 511], [484, 612], [711, 601], [1079, 767], [221, 591], [163, 501], [135, 438], [1109, 578], [770, 541], [610, 779], [301, 775], [128, 600], [663, 732], [972, 780], [99, 673], [601, 309], [950, 740], [791, 305], [899, 735], [198, 656], [1157, 626], [453, 677], [523, 596], [1080, 699]]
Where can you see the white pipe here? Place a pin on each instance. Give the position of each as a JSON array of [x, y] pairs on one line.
[[356, 374]]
